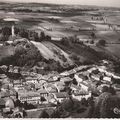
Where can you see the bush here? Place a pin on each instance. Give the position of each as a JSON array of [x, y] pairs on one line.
[[66, 42], [101, 43]]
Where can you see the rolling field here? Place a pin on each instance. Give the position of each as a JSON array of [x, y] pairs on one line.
[[59, 25]]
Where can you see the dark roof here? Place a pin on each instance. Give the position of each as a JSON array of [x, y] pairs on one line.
[[62, 95]]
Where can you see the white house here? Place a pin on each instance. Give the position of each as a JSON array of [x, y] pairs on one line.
[[75, 88], [61, 96], [80, 95], [31, 80], [84, 86], [107, 79], [78, 77], [30, 97]]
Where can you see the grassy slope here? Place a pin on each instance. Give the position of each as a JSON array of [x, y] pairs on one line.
[[86, 54], [51, 51]]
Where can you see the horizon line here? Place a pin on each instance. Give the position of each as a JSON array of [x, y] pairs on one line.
[[108, 6]]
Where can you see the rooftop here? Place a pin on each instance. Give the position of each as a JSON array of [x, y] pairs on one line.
[[81, 93], [76, 87], [42, 91], [66, 79], [29, 94], [62, 95]]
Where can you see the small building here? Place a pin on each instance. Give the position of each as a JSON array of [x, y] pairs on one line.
[[108, 79], [3, 76], [61, 96], [75, 88], [95, 77], [80, 77], [30, 97], [81, 94], [38, 86], [31, 80], [5, 87], [66, 79], [91, 69], [9, 103], [43, 92], [64, 73], [84, 86], [18, 88], [60, 86], [4, 94]]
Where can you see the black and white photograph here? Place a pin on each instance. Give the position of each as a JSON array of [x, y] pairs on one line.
[[59, 59]]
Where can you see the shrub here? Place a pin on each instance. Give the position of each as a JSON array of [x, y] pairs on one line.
[[101, 43]]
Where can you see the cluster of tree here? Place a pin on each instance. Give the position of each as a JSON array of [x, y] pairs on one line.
[[101, 43], [23, 10], [75, 58], [25, 54], [68, 41], [26, 57], [30, 35], [53, 65]]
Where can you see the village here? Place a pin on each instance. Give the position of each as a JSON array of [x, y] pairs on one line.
[[59, 60], [43, 91]]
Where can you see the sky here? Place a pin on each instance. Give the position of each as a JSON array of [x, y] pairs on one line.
[[113, 3]]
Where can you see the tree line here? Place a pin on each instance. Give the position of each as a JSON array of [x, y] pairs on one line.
[[21, 32]]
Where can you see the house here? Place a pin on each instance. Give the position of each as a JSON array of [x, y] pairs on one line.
[[43, 92], [64, 73], [96, 77], [60, 86], [81, 94], [30, 97], [116, 76], [31, 80], [2, 76], [84, 86], [51, 88], [8, 93], [61, 96], [18, 88], [75, 88], [55, 78], [4, 87], [80, 77], [73, 71], [16, 69], [66, 79], [18, 85], [38, 86], [91, 69], [105, 78], [24, 73]]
